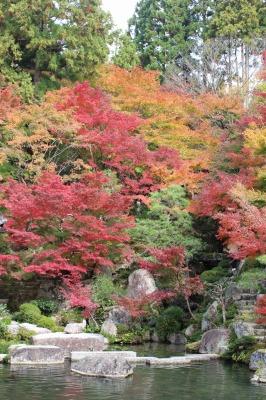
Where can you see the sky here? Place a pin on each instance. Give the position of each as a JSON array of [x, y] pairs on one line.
[[121, 11]]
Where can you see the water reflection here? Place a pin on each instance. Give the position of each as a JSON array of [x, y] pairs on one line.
[[208, 381]]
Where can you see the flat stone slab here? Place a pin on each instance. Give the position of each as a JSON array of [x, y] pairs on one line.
[[180, 360], [72, 342], [2, 358], [168, 361], [24, 354], [202, 357], [103, 366], [79, 355], [140, 360]]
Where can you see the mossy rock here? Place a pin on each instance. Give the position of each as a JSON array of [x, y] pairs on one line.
[[193, 347]]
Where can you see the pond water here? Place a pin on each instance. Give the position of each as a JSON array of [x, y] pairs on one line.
[[214, 380]]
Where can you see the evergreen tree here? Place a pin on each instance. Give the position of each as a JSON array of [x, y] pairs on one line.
[[50, 40], [162, 30], [126, 55]]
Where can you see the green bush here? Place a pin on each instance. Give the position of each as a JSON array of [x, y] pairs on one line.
[[240, 350], [214, 274], [252, 279], [24, 335], [47, 307], [5, 344], [104, 289], [28, 312], [169, 321], [4, 313], [49, 323], [67, 316]]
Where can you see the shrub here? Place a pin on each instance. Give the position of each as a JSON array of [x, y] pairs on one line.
[[240, 350], [5, 344], [214, 274], [46, 306], [67, 316], [24, 335], [28, 312], [103, 290], [252, 279], [49, 323], [4, 313], [170, 321]]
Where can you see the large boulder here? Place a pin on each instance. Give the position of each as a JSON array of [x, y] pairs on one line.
[[119, 315], [140, 283], [209, 317], [258, 360], [215, 341], [105, 366], [109, 328], [260, 376], [72, 342], [190, 330], [233, 293], [177, 338], [75, 327], [242, 329], [24, 354]]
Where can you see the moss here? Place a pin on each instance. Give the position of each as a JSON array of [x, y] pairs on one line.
[[193, 347]]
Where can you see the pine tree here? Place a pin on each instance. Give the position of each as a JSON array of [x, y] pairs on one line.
[[126, 55], [162, 30], [48, 40]]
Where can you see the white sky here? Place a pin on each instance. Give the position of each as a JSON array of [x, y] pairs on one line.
[[121, 11]]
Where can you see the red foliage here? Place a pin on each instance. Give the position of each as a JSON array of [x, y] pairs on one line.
[[215, 196], [244, 231], [170, 262], [61, 230], [261, 309], [140, 307], [110, 136]]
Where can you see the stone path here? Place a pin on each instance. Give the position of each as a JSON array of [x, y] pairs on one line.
[[247, 303]]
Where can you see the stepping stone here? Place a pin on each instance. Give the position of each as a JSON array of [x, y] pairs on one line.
[[72, 342], [79, 355], [104, 366], [24, 354], [169, 361]]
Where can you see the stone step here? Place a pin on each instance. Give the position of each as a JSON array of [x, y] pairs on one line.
[[260, 332], [245, 308], [260, 339], [245, 303], [249, 296], [249, 291]]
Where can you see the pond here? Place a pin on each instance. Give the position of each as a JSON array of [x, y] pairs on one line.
[[214, 380]]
